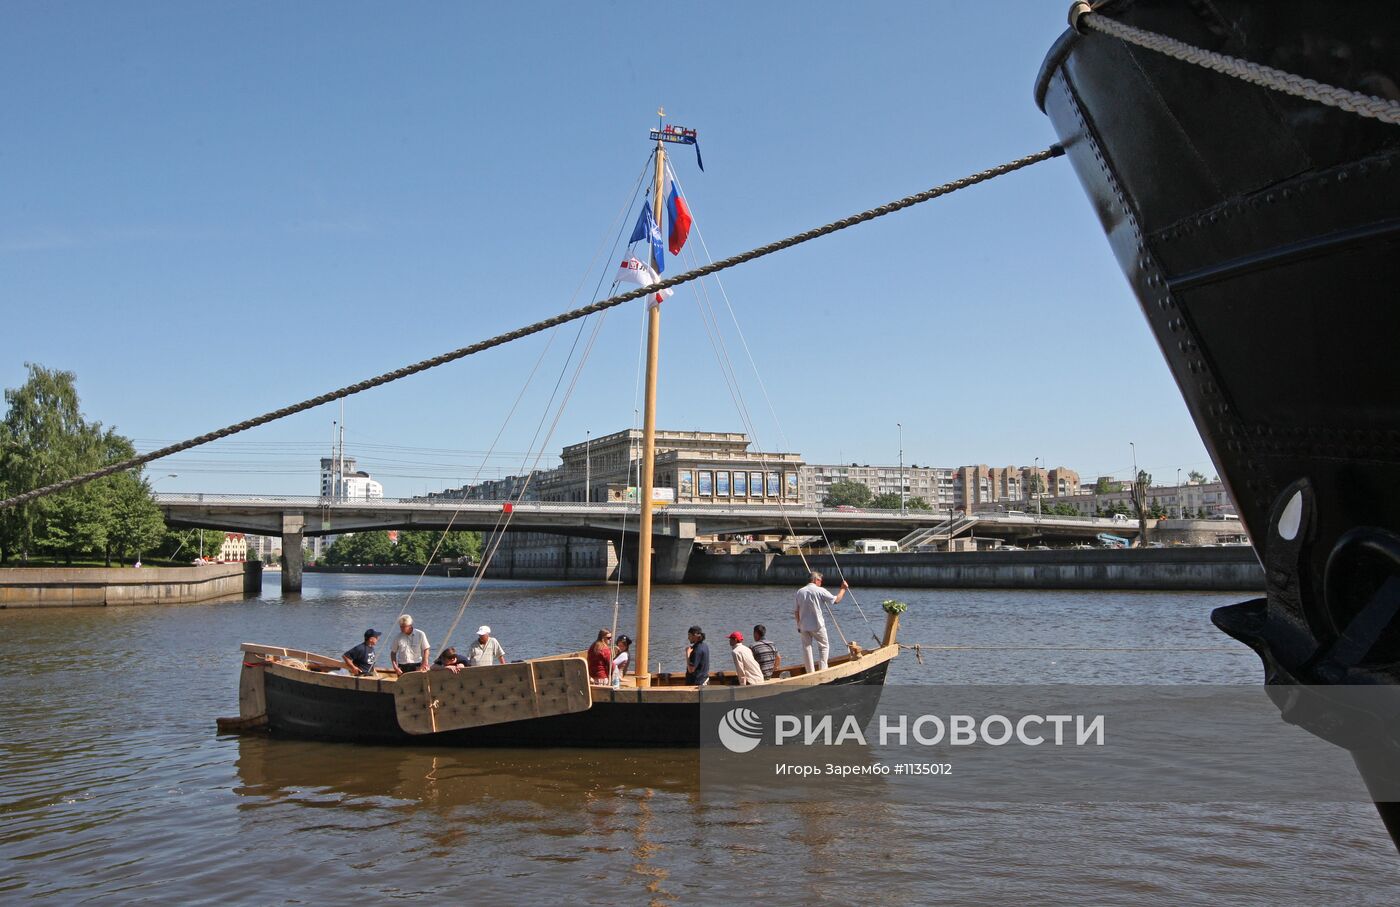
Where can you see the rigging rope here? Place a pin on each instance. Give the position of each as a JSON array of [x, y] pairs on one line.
[[1082, 15], [773, 411], [500, 339]]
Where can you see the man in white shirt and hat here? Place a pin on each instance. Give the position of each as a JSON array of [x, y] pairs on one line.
[[486, 650], [811, 599]]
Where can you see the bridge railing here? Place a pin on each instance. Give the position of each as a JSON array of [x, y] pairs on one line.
[[621, 508]]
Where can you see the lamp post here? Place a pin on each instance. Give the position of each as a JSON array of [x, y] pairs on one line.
[[587, 466], [1039, 489], [900, 426], [1179, 513]]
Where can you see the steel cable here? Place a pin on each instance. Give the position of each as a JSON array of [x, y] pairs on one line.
[[564, 318]]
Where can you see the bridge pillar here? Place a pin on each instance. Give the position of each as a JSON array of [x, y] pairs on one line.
[[670, 556], [292, 526]]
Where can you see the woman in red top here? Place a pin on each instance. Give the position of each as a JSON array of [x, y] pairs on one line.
[[600, 659]]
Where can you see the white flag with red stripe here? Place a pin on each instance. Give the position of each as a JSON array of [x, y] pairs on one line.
[[641, 274]]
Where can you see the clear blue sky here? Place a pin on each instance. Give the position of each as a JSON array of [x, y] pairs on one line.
[[209, 210]]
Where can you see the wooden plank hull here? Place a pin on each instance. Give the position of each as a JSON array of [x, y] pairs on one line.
[[302, 705]]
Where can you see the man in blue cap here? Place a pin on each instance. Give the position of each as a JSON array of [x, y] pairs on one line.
[[360, 660]]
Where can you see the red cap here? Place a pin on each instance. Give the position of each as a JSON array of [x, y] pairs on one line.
[[737, 635]]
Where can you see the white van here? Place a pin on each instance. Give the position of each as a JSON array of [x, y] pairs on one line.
[[875, 546]]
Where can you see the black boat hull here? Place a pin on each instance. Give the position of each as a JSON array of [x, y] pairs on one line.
[[1261, 235], [317, 712]]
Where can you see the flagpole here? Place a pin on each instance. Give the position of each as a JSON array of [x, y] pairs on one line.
[[648, 477]]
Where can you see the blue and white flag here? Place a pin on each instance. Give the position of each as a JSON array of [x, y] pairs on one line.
[[648, 227]]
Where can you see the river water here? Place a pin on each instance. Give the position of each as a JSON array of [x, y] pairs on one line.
[[115, 787]]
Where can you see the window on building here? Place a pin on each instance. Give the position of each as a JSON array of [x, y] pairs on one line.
[[722, 483], [706, 483], [774, 484], [741, 484], [687, 483], [756, 484], [791, 478]]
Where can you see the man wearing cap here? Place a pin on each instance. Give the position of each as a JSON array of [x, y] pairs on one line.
[[410, 649], [360, 660], [486, 650], [744, 662], [811, 598]]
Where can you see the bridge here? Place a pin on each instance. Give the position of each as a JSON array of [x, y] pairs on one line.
[[674, 529]]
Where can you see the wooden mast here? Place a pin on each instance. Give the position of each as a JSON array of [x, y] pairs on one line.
[[648, 477]]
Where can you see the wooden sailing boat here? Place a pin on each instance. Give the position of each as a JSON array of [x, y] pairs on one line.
[[543, 701]]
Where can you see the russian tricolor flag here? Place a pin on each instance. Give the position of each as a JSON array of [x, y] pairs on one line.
[[678, 213]]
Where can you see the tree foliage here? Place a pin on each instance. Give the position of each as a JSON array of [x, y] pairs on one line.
[[44, 438], [848, 494], [887, 501], [1196, 476], [414, 547]]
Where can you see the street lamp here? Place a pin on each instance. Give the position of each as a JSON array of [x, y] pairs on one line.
[[1039, 488], [1179, 514], [168, 475], [900, 426], [587, 465]]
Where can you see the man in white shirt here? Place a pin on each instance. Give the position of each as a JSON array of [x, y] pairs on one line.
[[811, 598], [486, 650], [744, 662], [409, 651]]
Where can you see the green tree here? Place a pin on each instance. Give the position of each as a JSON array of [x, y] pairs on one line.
[[887, 501], [1105, 485], [917, 504], [184, 544], [133, 522], [1196, 477], [44, 438], [371, 547], [1061, 510], [1141, 483], [847, 494]]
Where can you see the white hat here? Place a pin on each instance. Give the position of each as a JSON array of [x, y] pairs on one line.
[[483, 630]]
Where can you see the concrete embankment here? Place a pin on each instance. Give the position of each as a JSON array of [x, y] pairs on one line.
[[1227, 569], [78, 587], [395, 570]]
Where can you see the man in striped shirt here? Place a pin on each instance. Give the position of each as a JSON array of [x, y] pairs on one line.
[[764, 652]]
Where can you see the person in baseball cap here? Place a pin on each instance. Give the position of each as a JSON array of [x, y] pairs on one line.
[[359, 661], [744, 662], [486, 650]]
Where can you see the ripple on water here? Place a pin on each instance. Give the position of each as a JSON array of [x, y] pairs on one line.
[[116, 788]]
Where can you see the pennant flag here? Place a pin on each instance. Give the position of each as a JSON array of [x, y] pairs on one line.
[[640, 273], [678, 214], [647, 228]]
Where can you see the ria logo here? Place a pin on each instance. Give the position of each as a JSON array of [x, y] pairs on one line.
[[740, 730]]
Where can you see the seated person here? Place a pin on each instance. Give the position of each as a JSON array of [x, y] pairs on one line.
[[620, 660], [600, 659], [359, 661], [448, 661]]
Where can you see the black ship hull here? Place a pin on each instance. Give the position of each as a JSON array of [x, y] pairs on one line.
[[1261, 235], [297, 709]]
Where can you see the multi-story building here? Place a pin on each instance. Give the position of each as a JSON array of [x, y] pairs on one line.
[[946, 488], [691, 467], [1193, 500], [935, 485], [507, 488], [350, 484], [235, 547]]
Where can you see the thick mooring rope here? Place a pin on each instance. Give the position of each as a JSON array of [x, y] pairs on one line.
[[519, 333], [1082, 16]]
